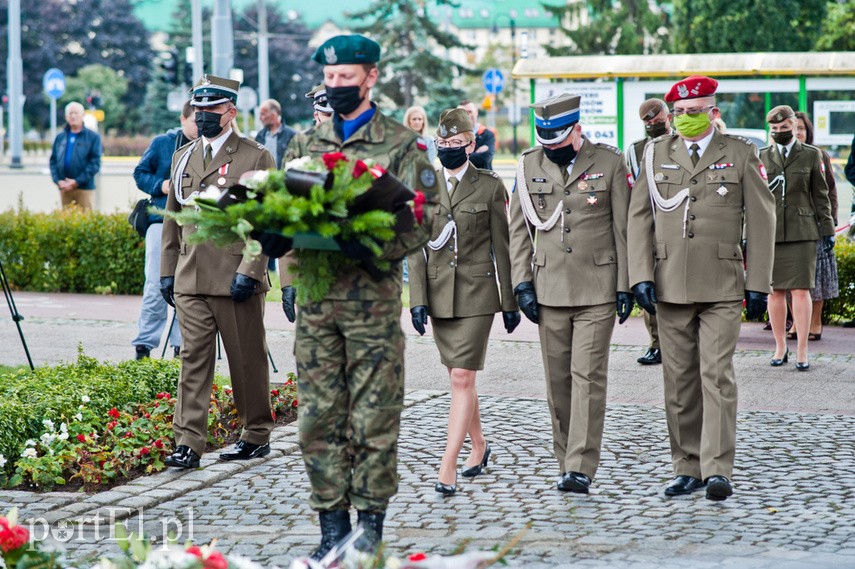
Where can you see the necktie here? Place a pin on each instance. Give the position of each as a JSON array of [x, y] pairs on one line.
[[209, 155], [784, 154], [453, 185], [695, 154]]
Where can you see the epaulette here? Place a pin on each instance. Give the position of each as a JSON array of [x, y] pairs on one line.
[[665, 136], [488, 172], [252, 142], [529, 150], [609, 147], [741, 139]]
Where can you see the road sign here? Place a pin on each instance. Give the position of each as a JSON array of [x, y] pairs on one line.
[[175, 100], [54, 83], [97, 113], [247, 99], [493, 81]]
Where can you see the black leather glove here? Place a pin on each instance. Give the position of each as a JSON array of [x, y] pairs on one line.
[[645, 296], [354, 249], [527, 300], [828, 244], [289, 295], [755, 304], [243, 287], [167, 290], [419, 314], [624, 306], [512, 320], [273, 245]]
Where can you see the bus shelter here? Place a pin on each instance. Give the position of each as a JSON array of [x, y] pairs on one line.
[[612, 87]]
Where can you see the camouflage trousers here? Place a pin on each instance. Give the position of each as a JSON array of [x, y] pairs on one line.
[[350, 365]]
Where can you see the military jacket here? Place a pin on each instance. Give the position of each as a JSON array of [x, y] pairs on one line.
[[401, 152], [454, 284], [206, 268], [693, 252], [634, 156], [580, 261], [802, 205]]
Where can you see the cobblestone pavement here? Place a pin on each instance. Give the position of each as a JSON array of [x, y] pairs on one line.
[[793, 502]]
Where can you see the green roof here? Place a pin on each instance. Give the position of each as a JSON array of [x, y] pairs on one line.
[[156, 14]]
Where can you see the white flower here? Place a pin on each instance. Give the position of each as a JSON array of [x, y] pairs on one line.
[[212, 193], [3, 461], [79, 416], [303, 163], [30, 443], [48, 424], [85, 399], [63, 436], [63, 428], [242, 563], [47, 438], [257, 179], [393, 563], [29, 452]]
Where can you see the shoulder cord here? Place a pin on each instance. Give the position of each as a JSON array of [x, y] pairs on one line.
[[178, 176], [530, 213], [656, 199], [447, 232]]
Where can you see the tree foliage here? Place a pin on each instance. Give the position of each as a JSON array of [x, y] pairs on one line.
[[71, 34], [838, 29], [413, 69], [730, 26], [606, 27], [107, 83]]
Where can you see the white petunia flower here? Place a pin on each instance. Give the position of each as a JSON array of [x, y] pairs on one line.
[[79, 416], [85, 399], [30, 452], [63, 428], [48, 424], [3, 461], [211, 193], [63, 436], [30, 443], [257, 179], [299, 163]]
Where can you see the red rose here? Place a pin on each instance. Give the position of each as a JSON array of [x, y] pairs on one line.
[[274, 392], [359, 168], [418, 209], [417, 557], [114, 413], [111, 424], [128, 435], [377, 171], [158, 443], [12, 537], [333, 158], [81, 438], [194, 550], [147, 416], [216, 561], [294, 403]]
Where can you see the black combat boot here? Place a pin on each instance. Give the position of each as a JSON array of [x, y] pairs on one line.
[[335, 525], [372, 526]]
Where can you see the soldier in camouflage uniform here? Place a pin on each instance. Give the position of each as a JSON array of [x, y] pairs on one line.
[[350, 347]]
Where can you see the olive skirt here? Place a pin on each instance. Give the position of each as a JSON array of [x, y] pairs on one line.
[[795, 265], [462, 342]]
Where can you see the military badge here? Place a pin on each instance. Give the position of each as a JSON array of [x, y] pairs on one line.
[[583, 185], [670, 166], [443, 132], [682, 91], [421, 143], [540, 180], [721, 166], [454, 129], [329, 55], [205, 81], [221, 181], [629, 181], [592, 199], [427, 177], [722, 191], [763, 172]]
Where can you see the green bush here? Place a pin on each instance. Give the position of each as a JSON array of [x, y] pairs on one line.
[[843, 307], [71, 251]]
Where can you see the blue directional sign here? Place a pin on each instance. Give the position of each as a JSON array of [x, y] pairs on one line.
[[54, 83], [493, 81]]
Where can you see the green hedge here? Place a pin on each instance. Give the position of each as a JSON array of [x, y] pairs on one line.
[[26, 398], [842, 307], [71, 251]]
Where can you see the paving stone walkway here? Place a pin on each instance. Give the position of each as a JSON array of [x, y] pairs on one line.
[[794, 502]]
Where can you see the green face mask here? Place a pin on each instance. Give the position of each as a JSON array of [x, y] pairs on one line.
[[692, 125]]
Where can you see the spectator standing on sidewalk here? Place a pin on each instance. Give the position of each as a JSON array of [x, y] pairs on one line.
[[275, 135], [485, 139], [75, 159], [152, 176]]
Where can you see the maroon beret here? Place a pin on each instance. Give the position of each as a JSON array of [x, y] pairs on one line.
[[692, 87]]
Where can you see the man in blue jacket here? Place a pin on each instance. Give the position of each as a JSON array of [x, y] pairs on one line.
[[152, 177], [75, 160], [275, 135]]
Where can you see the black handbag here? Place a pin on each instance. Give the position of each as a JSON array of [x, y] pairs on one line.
[[138, 218]]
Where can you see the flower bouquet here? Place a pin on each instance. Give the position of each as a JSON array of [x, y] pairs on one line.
[[323, 209]]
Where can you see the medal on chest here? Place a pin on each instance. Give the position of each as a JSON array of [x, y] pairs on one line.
[[224, 169], [592, 200]]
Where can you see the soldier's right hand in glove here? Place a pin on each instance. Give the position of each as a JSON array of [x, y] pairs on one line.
[[167, 290], [645, 296], [755, 304], [243, 287], [512, 320], [273, 245], [527, 300], [289, 295], [420, 315]]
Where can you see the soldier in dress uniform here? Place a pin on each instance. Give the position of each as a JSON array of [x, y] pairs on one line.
[[696, 191], [321, 107], [803, 214], [569, 267], [350, 346], [454, 280], [216, 289], [656, 117]]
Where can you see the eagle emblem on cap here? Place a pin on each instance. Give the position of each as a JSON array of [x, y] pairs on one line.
[[682, 91], [329, 55], [205, 81], [779, 117], [443, 132]]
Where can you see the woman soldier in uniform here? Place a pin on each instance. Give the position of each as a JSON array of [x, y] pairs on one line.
[[454, 280]]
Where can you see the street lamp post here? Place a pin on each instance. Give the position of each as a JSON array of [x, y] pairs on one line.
[[513, 120], [15, 76]]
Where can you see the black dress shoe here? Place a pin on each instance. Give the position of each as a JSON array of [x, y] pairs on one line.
[[652, 357], [682, 485], [574, 482], [246, 451], [142, 352], [478, 468], [718, 488], [802, 366], [183, 457], [445, 489]]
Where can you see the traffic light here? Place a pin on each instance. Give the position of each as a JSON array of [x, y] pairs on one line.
[[169, 66], [93, 99]]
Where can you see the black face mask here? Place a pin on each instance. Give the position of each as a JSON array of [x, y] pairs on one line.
[[452, 158], [561, 156], [656, 129], [344, 100], [208, 123], [783, 138]]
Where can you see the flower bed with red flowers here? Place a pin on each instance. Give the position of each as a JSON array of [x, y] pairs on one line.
[[90, 425]]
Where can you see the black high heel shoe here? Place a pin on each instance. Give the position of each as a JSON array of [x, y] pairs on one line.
[[778, 362], [445, 489], [474, 471], [802, 366]]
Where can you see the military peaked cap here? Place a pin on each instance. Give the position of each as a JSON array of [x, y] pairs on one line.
[[212, 90], [318, 94], [353, 48], [555, 117]]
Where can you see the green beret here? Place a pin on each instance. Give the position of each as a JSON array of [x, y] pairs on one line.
[[341, 50], [454, 121], [780, 114]]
